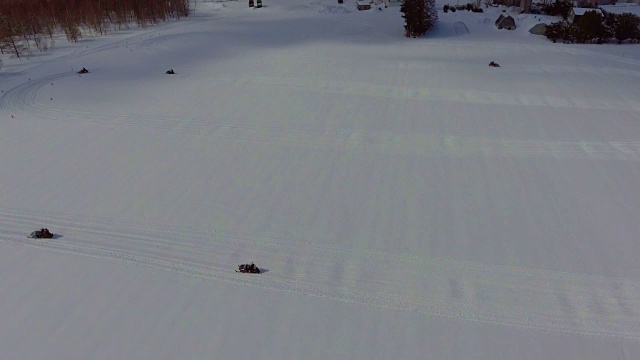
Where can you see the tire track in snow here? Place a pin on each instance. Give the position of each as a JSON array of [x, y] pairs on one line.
[[469, 291], [23, 100], [581, 51], [440, 94], [138, 37]]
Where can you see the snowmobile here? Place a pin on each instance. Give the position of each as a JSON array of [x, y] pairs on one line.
[[248, 269], [83, 71], [43, 233], [170, 72]]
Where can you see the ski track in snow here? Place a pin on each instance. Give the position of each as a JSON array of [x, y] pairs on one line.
[[515, 296], [23, 100], [505, 295]]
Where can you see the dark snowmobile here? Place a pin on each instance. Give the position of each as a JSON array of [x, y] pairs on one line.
[[43, 233], [248, 269], [83, 71]]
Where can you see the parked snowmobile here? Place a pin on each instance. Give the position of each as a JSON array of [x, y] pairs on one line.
[[43, 233], [248, 269], [83, 71]]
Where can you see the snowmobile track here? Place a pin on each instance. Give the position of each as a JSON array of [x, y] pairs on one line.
[[22, 100], [469, 291]]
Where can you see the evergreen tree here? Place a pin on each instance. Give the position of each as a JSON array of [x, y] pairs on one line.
[[558, 8], [626, 27], [591, 27], [555, 31], [432, 12], [419, 16]]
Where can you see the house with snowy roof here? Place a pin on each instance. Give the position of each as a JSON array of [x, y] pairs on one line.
[[576, 13]]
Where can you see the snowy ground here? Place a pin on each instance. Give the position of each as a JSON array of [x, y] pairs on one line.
[[406, 200]]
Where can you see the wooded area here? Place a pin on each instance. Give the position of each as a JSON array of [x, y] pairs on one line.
[[25, 24]]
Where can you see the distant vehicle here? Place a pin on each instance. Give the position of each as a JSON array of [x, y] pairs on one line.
[[248, 269], [43, 233]]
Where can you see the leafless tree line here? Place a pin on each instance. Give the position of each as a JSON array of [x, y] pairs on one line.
[[25, 24]]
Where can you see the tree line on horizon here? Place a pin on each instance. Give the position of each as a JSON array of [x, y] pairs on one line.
[[596, 27], [25, 24]]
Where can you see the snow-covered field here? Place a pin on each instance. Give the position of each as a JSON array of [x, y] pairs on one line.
[[406, 200]]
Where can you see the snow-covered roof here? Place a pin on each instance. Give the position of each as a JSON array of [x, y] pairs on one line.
[[582, 11], [622, 8]]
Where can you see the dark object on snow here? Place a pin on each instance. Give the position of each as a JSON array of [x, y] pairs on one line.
[[43, 233], [248, 269], [258, 3], [83, 71], [506, 22], [170, 72], [250, 3], [363, 6], [494, 64]]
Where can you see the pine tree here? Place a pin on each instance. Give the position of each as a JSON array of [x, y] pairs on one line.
[[554, 31], [591, 27], [626, 27], [419, 16], [432, 13]]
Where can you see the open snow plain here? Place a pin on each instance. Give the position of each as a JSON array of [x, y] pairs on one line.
[[406, 200]]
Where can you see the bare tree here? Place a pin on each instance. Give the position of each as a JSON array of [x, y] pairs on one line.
[[26, 22], [9, 38]]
